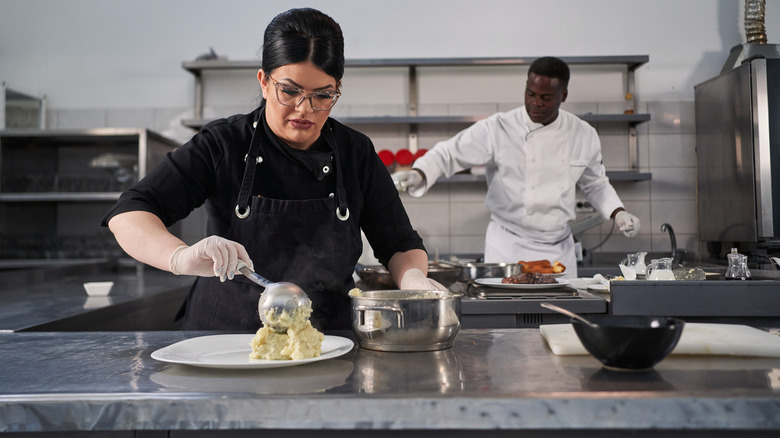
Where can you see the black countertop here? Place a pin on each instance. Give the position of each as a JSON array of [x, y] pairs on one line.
[[54, 298]]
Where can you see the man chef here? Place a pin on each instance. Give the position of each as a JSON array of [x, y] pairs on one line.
[[535, 156]]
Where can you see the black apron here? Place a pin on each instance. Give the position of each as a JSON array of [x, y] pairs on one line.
[[312, 243]]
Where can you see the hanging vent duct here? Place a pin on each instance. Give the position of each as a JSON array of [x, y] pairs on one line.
[[755, 30]]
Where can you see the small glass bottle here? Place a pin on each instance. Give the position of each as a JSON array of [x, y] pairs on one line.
[[743, 259], [630, 104], [738, 269]]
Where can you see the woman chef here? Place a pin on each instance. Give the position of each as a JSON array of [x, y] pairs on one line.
[[286, 188], [534, 157]]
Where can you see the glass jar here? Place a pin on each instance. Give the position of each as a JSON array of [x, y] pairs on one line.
[[738, 269], [660, 269]]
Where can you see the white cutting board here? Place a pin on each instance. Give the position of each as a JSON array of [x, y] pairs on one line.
[[697, 338]]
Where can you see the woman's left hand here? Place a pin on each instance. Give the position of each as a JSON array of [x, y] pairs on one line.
[[414, 279]]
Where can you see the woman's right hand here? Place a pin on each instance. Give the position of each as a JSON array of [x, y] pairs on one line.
[[213, 256]]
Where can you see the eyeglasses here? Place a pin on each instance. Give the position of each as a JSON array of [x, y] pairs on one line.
[[289, 95]]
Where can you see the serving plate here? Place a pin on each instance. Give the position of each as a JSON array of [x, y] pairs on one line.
[[496, 282], [555, 274], [232, 351]]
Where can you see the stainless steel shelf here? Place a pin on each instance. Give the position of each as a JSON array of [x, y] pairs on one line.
[[631, 119], [57, 185], [628, 175], [613, 175], [93, 135], [8, 264], [423, 120], [632, 62], [413, 119], [60, 197], [374, 120]]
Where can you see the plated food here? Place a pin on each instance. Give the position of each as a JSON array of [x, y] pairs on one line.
[[542, 267], [536, 272], [232, 352], [297, 340], [498, 283]]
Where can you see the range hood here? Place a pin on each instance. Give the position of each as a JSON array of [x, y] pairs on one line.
[[745, 52]]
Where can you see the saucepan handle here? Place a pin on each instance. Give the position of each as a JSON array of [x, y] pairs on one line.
[[395, 309]]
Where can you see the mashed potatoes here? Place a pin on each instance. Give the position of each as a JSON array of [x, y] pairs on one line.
[[299, 341]]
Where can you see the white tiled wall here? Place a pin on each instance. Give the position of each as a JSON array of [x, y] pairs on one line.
[[452, 217]]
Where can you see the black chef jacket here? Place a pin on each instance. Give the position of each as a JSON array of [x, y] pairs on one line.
[[210, 166]]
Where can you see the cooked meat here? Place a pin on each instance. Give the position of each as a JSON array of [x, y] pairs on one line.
[[529, 278]]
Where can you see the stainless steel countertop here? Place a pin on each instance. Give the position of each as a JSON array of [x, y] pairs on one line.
[[491, 380]]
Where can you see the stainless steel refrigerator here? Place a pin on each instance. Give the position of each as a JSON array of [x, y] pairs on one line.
[[738, 153]]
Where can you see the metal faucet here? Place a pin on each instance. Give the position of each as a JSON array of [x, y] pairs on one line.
[[677, 255]]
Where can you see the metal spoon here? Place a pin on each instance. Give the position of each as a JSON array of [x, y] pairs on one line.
[[279, 297], [568, 313]]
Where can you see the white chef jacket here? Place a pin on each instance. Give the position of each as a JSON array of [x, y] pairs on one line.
[[532, 171]]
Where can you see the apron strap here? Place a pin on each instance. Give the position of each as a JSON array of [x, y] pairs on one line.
[[342, 211], [252, 159]]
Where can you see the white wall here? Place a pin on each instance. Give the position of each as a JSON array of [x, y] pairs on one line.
[[118, 63], [125, 54]]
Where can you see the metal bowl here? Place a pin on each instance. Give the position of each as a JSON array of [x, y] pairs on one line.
[[406, 320], [376, 277], [629, 342]]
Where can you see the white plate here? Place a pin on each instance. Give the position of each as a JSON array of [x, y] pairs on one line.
[[496, 282], [598, 287], [587, 280], [232, 351]]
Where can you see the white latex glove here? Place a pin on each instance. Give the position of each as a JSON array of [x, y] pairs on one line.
[[414, 279], [409, 181], [213, 256], [627, 222]]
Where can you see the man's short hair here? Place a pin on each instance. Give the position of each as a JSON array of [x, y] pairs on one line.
[[551, 67]]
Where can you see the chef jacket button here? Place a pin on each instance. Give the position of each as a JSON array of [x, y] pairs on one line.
[[331, 195], [254, 125], [325, 169]]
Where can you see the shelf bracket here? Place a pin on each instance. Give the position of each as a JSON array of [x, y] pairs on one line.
[[198, 94], [2, 105], [633, 148], [414, 138], [414, 101]]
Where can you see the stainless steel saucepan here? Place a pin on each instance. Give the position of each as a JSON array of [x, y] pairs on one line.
[[405, 320]]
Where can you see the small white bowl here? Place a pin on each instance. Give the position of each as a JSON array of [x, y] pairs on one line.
[[98, 288]]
